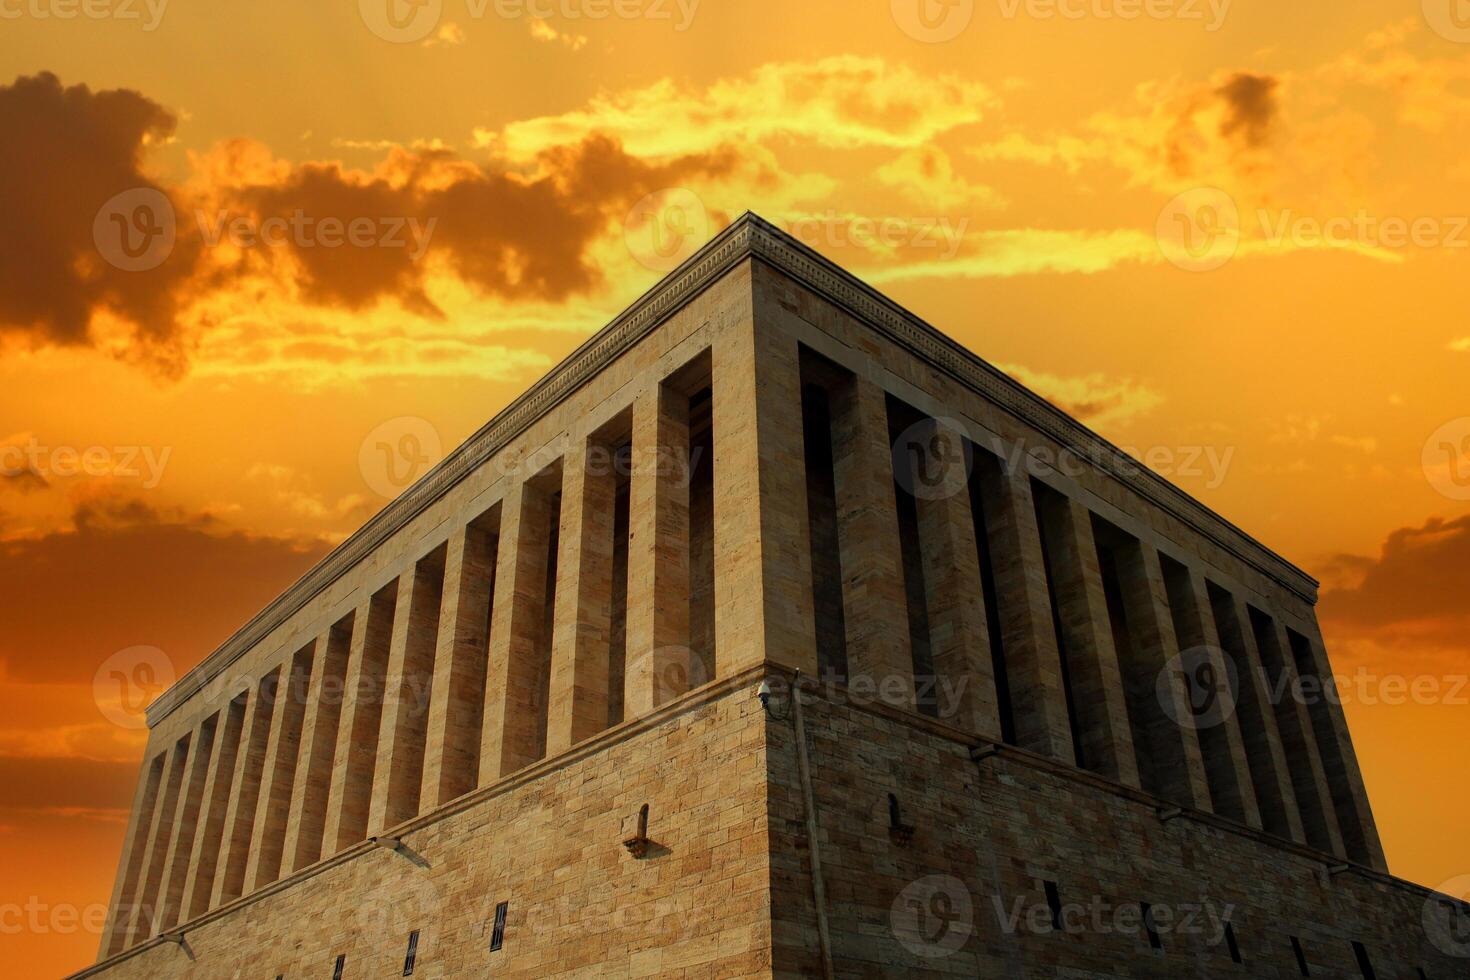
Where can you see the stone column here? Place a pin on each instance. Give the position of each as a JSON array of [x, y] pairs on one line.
[[1033, 660], [130, 865], [186, 823], [457, 704], [308, 815], [282, 751], [580, 639], [404, 726], [513, 735], [1309, 779], [159, 836], [658, 666], [874, 604], [353, 762], [959, 635], [204, 856], [234, 852], [1340, 761], [763, 568], [1082, 611], [1222, 746], [1270, 774], [1174, 748]]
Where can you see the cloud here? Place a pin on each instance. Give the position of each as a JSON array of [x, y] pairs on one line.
[[1252, 108], [1411, 595], [925, 175], [542, 30], [1030, 251], [128, 573], [506, 234], [252, 227], [69, 150], [843, 101], [1094, 398]]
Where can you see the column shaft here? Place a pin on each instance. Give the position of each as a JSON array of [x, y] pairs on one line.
[[874, 603], [307, 819], [1174, 752], [204, 856], [1269, 771], [403, 729], [1033, 659], [514, 732], [581, 630], [283, 750], [658, 659], [160, 834], [234, 854], [959, 636], [1082, 612], [353, 762], [1222, 747], [762, 547], [1313, 796], [186, 823], [457, 697]]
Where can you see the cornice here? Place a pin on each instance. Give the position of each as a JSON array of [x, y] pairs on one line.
[[748, 236]]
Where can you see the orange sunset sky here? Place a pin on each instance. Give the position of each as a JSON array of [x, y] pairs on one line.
[[1230, 235]]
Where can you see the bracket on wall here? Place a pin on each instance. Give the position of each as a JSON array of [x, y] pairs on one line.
[[637, 845], [1333, 870], [1167, 813], [987, 751], [177, 938]]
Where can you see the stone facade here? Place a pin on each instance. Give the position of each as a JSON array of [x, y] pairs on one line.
[[1048, 724]]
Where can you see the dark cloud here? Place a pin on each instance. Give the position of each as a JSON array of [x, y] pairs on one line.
[[67, 152], [1251, 103], [502, 233], [128, 575], [1412, 593]]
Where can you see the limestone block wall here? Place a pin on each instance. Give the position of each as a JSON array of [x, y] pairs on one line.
[[550, 844], [967, 894]]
